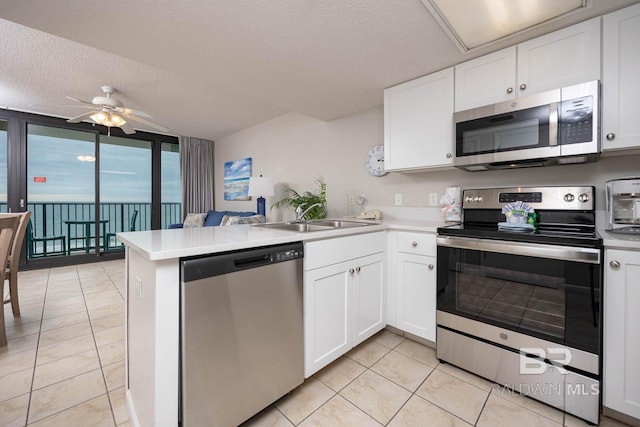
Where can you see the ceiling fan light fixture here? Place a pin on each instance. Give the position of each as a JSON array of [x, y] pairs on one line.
[[108, 119]]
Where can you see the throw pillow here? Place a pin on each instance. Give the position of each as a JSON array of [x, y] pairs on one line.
[[194, 220], [214, 218], [234, 219]]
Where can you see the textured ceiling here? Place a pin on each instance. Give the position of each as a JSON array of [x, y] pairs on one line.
[[210, 68]]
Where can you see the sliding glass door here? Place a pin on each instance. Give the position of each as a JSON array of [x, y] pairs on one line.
[[171, 191], [125, 186], [60, 191]]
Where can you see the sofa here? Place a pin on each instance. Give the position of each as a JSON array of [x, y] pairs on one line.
[[214, 218]]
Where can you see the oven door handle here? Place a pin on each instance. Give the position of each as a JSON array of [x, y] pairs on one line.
[[566, 253]]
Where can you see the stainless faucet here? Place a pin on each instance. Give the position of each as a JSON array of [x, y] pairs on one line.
[[300, 213]]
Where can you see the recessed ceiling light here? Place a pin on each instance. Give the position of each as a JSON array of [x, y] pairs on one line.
[[475, 23]]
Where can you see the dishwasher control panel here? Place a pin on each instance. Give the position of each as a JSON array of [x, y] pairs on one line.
[[287, 255]]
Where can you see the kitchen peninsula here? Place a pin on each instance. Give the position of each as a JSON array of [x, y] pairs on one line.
[[153, 301]]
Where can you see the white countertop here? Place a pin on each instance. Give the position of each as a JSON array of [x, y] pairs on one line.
[[619, 241], [176, 243]]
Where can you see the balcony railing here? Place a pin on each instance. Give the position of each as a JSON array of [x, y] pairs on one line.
[[48, 219]]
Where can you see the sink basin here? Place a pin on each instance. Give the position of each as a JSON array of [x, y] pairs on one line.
[[315, 225], [300, 227], [338, 223]]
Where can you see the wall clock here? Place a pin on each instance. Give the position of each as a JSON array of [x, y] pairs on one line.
[[375, 161]]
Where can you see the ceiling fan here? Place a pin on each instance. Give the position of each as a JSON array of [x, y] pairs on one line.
[[110, 112]]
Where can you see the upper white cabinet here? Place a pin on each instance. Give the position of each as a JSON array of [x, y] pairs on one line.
[[562, 58], [486, 80], [621, 390], [620, 79], [418, 123]]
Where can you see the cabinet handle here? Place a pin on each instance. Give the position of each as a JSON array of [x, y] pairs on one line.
[[615, 265], [351, 271], [611, 136], [358, 269], [523, 86], [448, 155], [509, 90], [414, 244], [430, 266]]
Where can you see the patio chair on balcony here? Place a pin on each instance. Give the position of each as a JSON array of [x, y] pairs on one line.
[[132, 227], [32, 244]]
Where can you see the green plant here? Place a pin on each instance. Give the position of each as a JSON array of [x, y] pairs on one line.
[[305, 200]]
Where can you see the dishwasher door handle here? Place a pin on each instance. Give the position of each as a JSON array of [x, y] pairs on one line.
[[253, 262]]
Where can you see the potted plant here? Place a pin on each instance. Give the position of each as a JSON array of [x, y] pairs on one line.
[[305, 200]]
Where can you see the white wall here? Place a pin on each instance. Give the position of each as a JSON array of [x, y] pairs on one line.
[[294, 149]]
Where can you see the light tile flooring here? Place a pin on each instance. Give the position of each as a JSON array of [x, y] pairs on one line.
[[64, 363], [64, 366]]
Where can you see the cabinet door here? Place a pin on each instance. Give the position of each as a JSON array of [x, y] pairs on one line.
[[418, 123], [327, 315], [417, 294], [563, 58], [368, 297], [486, 80], [620, 82], [621, 339]]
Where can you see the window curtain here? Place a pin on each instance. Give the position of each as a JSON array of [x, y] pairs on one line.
[[196, 174]]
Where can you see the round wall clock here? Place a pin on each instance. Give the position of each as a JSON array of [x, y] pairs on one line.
[[375, 161]]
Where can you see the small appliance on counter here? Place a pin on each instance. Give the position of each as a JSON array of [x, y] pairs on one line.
[[623, 205]]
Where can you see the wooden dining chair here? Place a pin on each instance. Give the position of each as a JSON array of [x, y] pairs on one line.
[[8, 227], [14, 261]]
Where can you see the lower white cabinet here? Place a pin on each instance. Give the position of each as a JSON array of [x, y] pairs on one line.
[[415, 266], [344, 301], [412, 283], [621, 389]]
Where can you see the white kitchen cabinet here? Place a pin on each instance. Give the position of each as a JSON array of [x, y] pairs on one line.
[[621, 390], [418, 123], [344, 296], [620, 82], [563, 58], [416, 283]]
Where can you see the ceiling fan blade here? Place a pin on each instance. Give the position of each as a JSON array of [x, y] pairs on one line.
[[127, 111], [127, 128], [146, 122], [81, 117], [79, 100], [63, 105]]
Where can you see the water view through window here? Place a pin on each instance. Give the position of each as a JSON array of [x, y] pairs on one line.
[[61, 189], [3, 166]]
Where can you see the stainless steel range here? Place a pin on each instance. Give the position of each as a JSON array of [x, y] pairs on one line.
[[520, 304]]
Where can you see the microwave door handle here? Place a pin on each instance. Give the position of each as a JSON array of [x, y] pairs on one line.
[[553, 124]]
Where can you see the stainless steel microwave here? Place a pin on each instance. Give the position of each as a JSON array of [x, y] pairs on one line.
[[555, 127]]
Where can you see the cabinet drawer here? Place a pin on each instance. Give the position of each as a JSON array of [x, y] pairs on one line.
[[332, 251], [417, 243]]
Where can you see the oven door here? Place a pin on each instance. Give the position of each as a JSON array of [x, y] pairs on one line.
[[545, 291]]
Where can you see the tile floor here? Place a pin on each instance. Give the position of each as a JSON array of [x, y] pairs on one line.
[[64, 366], [64, 363]]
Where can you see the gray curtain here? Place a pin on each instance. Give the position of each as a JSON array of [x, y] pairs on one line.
[[196, 173]]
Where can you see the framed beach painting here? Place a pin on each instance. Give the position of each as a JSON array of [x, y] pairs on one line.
[[236, 179]]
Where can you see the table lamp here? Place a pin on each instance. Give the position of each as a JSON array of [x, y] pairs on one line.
[[260, 186]]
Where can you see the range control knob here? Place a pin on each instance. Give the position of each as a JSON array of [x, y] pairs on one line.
[[477, 199], [468, 199], [584, 198], [569, 197]]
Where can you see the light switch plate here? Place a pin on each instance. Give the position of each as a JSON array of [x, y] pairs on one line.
[[433, 199], [398, 199]]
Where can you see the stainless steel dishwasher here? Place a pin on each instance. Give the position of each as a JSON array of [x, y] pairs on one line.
[[241, 333]]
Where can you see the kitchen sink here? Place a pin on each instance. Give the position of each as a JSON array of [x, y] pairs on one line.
[[315, 225]]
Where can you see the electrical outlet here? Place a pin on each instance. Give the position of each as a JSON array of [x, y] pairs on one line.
[[398, 199], [433, 199], [352, 199]]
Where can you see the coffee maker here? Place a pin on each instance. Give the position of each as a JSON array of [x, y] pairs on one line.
[[623, 205]]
